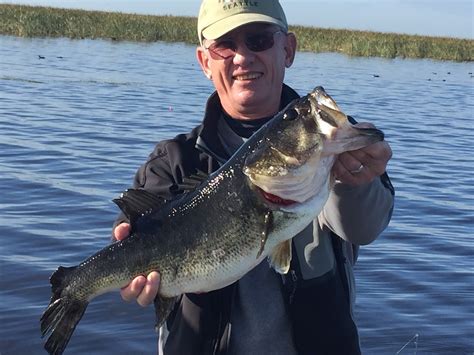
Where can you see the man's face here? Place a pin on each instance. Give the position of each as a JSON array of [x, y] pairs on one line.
[[249, 82]]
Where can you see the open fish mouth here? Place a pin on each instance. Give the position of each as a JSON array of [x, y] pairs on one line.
[[274, 199]]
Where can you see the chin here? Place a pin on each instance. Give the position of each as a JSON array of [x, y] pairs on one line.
[[251, 97]]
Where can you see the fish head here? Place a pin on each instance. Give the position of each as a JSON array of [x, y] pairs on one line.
[[339, 135], [293, 160]]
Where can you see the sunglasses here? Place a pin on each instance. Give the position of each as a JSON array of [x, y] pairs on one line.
[[256, 42]]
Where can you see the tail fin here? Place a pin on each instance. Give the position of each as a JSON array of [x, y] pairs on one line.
[[62, 315]]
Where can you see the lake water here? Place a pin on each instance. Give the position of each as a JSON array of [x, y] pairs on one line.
[[77, 122]]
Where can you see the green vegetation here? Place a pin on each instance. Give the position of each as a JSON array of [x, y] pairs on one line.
[[389, 45], [29, 21]]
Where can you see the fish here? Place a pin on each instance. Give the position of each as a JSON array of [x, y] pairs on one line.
[[274, 185]]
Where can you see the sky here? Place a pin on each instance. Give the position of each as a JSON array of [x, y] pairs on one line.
[[446, 18]]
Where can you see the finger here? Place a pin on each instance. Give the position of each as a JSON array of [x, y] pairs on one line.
[[133, 289], [359, 156], [365, 163], [374, 157], [342, 174], [150, 290], [350, 162], [122, 231], [353, 178], [379, 151]]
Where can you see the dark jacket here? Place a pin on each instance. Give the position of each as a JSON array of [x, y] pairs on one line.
[[200, 322]]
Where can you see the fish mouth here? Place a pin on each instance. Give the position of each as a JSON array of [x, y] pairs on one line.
[[274, 199], [294, 186]]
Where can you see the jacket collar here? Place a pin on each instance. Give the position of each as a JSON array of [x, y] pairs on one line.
[[208, 141]]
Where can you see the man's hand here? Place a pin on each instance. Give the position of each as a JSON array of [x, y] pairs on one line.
[[363, 165], [143, 289]]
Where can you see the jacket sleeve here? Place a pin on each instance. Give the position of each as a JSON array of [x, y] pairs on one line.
[[174, 166], [154, 176], [359, 214]]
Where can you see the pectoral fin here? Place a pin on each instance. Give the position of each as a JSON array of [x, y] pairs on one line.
[[280, 257]]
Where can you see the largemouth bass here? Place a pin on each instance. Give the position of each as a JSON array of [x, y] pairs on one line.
[[269, 190]]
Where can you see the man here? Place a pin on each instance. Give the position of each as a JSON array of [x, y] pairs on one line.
[[245, 49]]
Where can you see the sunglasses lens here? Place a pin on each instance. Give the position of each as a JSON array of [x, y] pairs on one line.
[[259, 42], [222, 49]]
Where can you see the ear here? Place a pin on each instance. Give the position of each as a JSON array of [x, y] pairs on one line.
[[203, 60], [290, 48]]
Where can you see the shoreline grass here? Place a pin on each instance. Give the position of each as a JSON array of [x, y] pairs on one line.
[[35, 21]]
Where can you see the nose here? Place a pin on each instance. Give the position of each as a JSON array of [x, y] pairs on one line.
[[243, 55]]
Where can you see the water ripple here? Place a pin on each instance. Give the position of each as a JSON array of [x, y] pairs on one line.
[[75, 126]]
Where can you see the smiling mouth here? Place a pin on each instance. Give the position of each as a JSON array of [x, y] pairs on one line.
[[250, 76]]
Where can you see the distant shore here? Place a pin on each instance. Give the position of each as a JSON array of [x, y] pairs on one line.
[[33, 21]]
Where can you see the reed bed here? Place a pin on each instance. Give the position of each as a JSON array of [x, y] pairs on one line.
[[33, 21], [388, 45]]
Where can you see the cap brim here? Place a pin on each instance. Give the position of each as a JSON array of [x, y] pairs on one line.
[[220, 28]]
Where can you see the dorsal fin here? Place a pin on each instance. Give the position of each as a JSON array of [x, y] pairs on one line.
[[136, 203]]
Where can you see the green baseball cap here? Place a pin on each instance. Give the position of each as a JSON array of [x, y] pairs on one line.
[[217, 17]]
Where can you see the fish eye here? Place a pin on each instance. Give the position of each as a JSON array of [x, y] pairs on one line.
[[290, 115]]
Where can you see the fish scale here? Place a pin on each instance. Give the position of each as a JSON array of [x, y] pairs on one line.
[[269, 190]]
